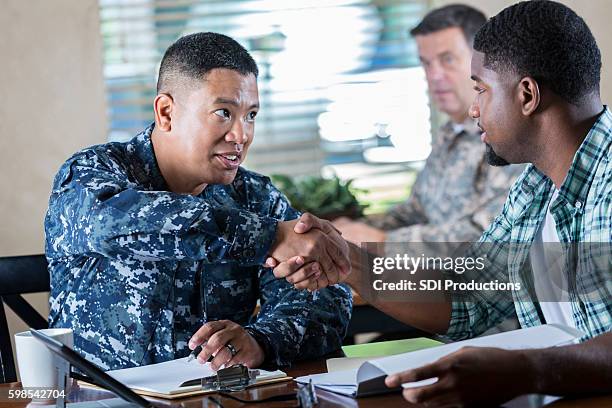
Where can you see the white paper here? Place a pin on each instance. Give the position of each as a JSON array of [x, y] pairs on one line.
[[345, 363], [344, 377], [348, 390], [166, 377], [346, 381], [548, 335], [343, 382]]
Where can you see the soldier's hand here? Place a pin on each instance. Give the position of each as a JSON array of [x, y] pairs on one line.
[[308, 276], [229, 343], [328, 263]]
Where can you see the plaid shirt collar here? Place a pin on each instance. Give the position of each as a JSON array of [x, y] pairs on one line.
[[575, 188]]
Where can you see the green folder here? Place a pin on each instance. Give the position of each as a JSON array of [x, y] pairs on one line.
[[389, 348]]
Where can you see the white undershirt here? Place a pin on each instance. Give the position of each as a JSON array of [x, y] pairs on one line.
[[457, 127], [550, 279]]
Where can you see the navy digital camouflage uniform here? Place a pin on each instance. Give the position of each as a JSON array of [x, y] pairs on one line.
[[136, 270]]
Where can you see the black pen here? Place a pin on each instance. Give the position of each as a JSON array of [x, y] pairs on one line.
[[195, 352]]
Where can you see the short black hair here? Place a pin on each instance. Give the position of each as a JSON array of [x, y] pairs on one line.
[[194, 55], [544, 40], [467, 18]]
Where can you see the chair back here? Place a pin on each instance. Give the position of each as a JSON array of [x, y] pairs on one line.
[[19, 275]]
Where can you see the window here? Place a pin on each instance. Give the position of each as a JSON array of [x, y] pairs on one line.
[[341, 90]]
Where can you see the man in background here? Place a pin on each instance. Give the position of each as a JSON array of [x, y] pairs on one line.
[[457, 193]]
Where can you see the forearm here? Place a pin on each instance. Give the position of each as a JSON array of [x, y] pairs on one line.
[[299, 324], [156, 225], [431, 316], [575, 369]]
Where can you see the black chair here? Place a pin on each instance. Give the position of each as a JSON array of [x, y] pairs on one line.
[[19, 275]]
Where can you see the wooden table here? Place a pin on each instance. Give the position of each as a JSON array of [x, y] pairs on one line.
[[326, 399]]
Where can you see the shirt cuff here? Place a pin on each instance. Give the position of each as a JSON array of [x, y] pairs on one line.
[[263, 341], [253, 235], [459, 325]]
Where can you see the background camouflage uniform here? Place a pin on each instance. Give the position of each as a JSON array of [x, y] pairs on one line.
[[136, 270], [455, 196]]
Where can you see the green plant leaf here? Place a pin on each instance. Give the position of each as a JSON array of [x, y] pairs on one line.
[[320, 196]]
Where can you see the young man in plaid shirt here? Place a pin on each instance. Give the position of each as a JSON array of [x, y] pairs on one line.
[[536, 69]]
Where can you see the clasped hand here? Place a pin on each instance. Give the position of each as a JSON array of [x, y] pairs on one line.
[[309, 253]]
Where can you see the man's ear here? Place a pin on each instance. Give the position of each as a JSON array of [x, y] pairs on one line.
[[163, 106], [529, 95]]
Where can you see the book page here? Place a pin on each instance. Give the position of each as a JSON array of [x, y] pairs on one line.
[[549, 335], [345, 363], [369, 378]]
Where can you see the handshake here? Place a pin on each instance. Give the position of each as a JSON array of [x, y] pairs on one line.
[[322, 254]]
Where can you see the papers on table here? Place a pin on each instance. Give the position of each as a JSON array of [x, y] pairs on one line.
[[368, 379], [164, 379]]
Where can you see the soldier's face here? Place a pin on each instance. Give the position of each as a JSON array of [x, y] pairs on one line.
[[445, 56], [497, 110], [215, 123]]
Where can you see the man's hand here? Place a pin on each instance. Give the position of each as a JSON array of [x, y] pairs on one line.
[[218, 334], [472, 376], [358, 232], [310, 253]]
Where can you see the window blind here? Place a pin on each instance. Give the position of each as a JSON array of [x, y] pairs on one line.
[[337, 77]]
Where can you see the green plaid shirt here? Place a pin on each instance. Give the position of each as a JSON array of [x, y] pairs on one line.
[[582, 213]]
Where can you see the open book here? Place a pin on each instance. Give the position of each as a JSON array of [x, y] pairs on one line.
[[369, 378], [164, 379]]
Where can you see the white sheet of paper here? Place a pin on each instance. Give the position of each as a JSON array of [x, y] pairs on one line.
[[549, 335], [166, 377], [345, 381], [345, 363]]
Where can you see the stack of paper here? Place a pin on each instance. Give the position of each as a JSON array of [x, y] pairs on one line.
[[164, 379], [369, 378]]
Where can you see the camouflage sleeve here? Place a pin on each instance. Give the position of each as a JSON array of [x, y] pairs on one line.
[[97, 210], [297, 325], [469, 227]]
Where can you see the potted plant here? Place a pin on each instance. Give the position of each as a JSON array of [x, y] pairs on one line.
[[326, 198]]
